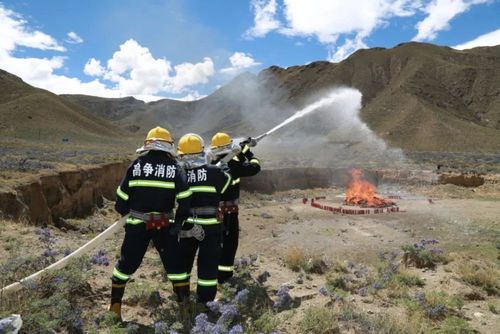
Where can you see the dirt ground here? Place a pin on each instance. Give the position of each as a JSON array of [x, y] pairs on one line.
[[466, 222]]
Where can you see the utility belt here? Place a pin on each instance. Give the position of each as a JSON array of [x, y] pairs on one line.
[[154, 220]]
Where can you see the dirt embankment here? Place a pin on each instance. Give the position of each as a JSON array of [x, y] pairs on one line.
[[48, 199]]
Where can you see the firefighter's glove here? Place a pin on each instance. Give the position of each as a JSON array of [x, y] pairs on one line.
[[246, 152], [250, 142]]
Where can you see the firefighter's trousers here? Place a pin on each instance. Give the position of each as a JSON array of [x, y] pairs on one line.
[[230, 239], [208, 259], [135, 245]]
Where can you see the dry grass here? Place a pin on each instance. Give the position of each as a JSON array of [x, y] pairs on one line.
[[481, 273], [297, 259]]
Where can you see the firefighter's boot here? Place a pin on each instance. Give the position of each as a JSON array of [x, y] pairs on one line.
[[116, 308], [117, 291]]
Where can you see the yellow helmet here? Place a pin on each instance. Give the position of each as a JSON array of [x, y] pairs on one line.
[[190, 143], [159, 133], [221, 139]]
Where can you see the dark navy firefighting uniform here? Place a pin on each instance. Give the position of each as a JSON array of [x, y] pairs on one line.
[[206, 183], [243, 165], [152, 185]]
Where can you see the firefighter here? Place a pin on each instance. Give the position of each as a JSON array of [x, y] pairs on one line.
[[202, 230], [243, 165], [147, 193]]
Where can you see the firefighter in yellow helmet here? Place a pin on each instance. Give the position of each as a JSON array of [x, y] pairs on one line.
[[243, 165], [202, 230], [147, 193]]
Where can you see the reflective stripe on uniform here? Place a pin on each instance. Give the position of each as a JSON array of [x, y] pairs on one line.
[[236, 181], [203, 189], [226, 268], [202, 221], [134, 221], [177, 277], [184, 194], [122, 194], [254, 161], [207, 282], [236, 158], [120, 275], [151, 183], [245, 149], [227, 183]]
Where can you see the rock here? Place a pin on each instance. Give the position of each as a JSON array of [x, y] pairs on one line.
[[266, 215], [478, 315], [274, 234], [142, 276], [261, 226]]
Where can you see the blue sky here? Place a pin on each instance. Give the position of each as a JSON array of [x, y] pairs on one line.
[[185, 49]]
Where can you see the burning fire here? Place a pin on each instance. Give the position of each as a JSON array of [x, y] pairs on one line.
[[363, 193]]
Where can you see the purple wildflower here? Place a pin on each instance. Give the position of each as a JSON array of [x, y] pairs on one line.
[[420, 298], [160, 327], [101, 258], [324, 292], [284, 301], [243, 262], [202, 325], [350, 265], [436, 311], [214, 306], [436, 251], [242, 297], [49, 253], [67, 251], [381, 256], [228, 313], [237, 329], [386, 277], [377, 286]]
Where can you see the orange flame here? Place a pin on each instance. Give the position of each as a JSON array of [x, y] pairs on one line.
[[363, 193]]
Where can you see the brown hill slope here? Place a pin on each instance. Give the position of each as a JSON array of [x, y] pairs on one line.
[[416, 96], [36, 115]]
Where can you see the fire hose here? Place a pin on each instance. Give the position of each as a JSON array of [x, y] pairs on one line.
[[98, 240]]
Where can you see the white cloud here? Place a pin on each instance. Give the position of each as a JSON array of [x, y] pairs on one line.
[[490, 39], [132, 69], [188, 74], [136, 72], [264, 18], [240, 61], [346, 49], [15, 32], [93, 68], [73, 38], [326, 20], [439, 14], [352, 21]]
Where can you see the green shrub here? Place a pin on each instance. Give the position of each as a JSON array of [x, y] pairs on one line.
[[420, 256]]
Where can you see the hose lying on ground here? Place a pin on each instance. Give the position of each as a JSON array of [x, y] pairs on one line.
[[16, 286]]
